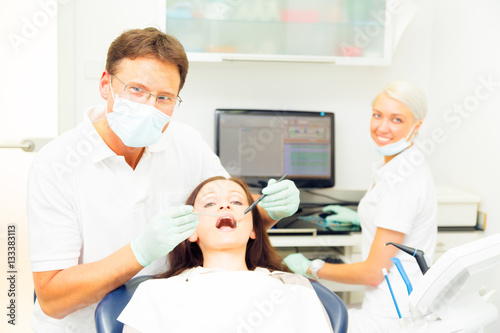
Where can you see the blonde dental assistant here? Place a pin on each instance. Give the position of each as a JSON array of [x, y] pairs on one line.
[[106, 199], [398, 207]]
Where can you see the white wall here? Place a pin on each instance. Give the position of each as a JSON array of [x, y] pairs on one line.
[[28, 108], [466, 50]]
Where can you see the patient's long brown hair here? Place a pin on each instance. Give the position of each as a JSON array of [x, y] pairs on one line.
[[259, 252]]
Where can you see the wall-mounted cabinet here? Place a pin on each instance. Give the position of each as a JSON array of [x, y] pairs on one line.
[[347, 32]]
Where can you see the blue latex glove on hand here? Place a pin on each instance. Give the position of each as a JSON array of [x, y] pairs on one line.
[[342, 215], [282, 199], [164, 232], [298, 264]]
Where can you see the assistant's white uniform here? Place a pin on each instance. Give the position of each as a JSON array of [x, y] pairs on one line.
[[401, 198], [215, 301], [85, 202]]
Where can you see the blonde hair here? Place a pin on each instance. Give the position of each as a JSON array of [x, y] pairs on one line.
[[410, 95]]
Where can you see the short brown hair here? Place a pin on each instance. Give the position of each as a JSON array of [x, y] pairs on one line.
[[259, 252], [148, 42]]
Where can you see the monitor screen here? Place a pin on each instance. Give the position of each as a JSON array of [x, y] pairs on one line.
[[257, 145]]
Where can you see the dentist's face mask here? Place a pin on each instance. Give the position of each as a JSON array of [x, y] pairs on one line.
[[137, 125], [395, 148]]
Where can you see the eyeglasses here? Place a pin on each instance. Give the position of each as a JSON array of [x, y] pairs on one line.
[[140, 95]]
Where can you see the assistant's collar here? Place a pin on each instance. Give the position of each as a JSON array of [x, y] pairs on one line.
[[395, 166]]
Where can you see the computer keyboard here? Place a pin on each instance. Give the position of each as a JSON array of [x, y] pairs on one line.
[[331, 260]]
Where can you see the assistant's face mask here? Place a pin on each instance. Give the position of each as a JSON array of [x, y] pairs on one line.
[[137, 125], [395, 148]]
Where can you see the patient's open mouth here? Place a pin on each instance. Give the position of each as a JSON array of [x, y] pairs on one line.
[[226, 221]]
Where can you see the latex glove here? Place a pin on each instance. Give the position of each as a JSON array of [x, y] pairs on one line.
[[342, 214], [298, 264], [164, 232], [282, 199]]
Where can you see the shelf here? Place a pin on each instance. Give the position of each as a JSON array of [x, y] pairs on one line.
[[352, 239], [172, 21], [337, 60], [316, 31]]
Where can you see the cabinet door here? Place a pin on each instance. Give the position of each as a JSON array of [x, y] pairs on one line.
[[337, 31]]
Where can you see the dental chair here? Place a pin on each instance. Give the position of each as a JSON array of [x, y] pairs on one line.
[[334, 306], [110, 307]]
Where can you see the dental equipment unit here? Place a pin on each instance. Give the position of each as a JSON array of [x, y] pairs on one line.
[[419, 255]]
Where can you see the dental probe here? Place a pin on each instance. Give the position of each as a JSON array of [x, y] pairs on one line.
[[258, 200]]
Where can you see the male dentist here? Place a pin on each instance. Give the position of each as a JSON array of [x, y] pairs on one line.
[[106, 199]]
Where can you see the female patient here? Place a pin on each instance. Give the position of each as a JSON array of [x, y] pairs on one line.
[[226, 277]]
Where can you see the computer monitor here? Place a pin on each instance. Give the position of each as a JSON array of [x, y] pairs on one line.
[[257, 145]]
